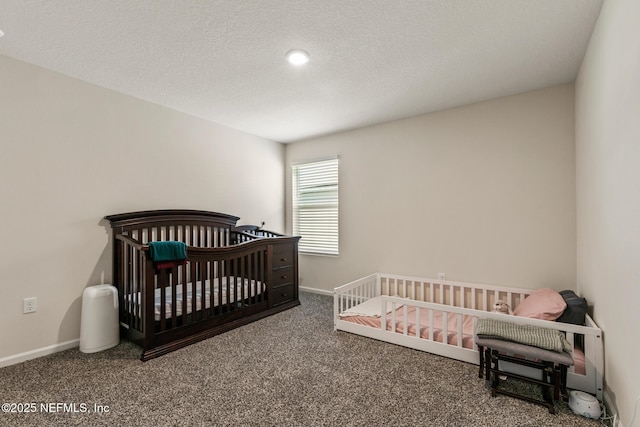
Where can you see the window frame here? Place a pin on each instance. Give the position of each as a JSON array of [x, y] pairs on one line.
[[322, 187]]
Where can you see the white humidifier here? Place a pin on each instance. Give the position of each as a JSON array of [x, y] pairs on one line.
[[584, 404]]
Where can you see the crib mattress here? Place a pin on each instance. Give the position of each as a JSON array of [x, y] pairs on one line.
[[369, 314], [228, 294]]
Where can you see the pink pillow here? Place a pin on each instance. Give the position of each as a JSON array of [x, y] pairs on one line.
[[545, 304]]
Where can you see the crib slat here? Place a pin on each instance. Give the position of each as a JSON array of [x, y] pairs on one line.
[[405, 312], [393, 316], [252, 284], [263, 261], [183, 290], [131, 277], [222, 274], [192, 289], [174, 303], [259, 281], [204, 286], [356, 296], [139, 287], [228, 286], [126, 274], [214, 286], [473, 336], [243, 275], [121, 284], [219, 277], [163, 300], [445, 328], [431, 324]]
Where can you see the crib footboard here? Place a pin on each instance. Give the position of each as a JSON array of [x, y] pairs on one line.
[[440, 317]]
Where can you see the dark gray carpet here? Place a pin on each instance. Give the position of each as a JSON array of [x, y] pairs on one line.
[[290, 369]]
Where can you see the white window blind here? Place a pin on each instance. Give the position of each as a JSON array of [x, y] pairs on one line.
[[315, 206]]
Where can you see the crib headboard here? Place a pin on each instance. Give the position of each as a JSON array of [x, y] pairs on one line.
[[194, 227]]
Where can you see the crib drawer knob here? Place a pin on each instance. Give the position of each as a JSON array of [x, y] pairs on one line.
[[284, 277], [283, 259]]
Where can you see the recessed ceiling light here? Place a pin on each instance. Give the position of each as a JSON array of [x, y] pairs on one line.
[[1, 33], [297, 57]]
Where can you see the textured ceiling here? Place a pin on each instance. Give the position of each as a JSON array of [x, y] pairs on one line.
[[372, 61]]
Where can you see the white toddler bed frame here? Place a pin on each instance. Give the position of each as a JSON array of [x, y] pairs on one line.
[[456, 299]]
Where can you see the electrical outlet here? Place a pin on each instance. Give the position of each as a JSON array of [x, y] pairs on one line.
[[442, 276], [30, 305]]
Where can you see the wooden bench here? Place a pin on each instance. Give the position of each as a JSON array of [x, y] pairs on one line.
[[552, 364]]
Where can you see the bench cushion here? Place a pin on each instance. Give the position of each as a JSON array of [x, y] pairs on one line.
[[527, 351]]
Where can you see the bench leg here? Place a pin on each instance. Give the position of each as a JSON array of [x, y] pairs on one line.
[[481, 353], [563, 381], [556, 384], [487, 363], [492, 367]]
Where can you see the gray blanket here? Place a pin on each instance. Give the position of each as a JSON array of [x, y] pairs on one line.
[[549, 339]]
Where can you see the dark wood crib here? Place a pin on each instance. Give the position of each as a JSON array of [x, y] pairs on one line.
[[234, 275]]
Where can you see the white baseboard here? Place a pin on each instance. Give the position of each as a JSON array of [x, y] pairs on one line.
[[39, 352], [611, 408], [315, 291], [55, 348]]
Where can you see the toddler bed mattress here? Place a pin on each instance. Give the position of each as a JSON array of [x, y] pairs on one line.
[[221, 293], [413, 319], [407, 318]]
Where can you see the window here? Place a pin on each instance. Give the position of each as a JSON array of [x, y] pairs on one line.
[[315, 206]]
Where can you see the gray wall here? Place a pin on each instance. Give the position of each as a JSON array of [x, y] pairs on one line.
[[74, 152], [608, 202], [484, 193]]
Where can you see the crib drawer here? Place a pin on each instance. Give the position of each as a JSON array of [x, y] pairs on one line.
[[282, 256], [284, 293], [283, 276]]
